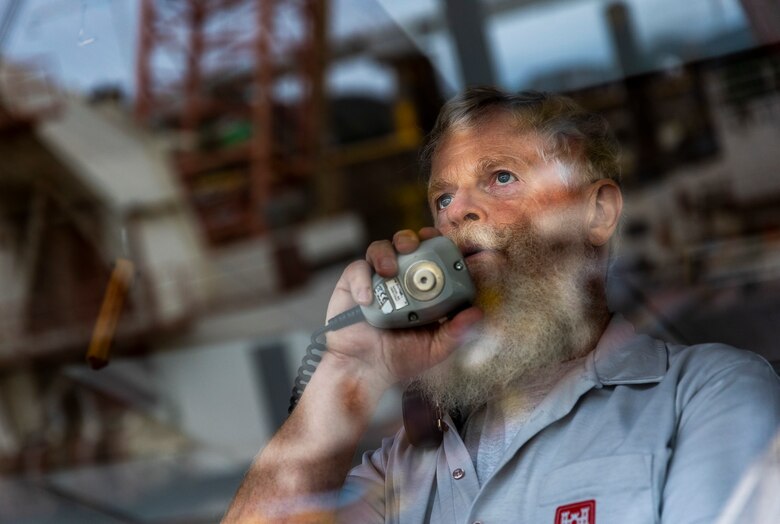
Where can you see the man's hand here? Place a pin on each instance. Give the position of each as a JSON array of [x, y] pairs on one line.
[[390, 355], [299, 472]]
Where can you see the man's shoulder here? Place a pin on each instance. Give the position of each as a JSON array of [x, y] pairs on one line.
[[623, 354], [720, 369], [713, 357]]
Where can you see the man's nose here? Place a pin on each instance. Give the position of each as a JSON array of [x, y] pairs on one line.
[[464, 208]]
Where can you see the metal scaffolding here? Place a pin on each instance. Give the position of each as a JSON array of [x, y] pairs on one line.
[[256, 63]]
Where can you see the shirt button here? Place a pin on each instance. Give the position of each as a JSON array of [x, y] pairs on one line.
[[458, 474]]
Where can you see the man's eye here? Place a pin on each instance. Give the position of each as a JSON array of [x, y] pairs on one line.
[[504, 177], [443, 201]]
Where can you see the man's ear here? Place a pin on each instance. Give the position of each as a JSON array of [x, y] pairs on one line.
[[605, 203]]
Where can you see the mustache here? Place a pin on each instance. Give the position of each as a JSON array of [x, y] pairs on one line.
[[473, 238]]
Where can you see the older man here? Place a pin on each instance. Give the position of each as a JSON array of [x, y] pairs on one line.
[[553, 410]]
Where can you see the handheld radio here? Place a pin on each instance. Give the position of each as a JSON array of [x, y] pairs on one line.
[[432, 283]]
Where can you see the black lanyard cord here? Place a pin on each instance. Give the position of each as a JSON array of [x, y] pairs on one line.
[[317, 349]]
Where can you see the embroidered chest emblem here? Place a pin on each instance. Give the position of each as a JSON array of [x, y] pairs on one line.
[[578, 513]]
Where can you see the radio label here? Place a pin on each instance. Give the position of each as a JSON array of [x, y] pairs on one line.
[[380, 292], [397, 294]]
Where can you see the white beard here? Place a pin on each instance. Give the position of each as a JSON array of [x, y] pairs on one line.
[[538, 314]]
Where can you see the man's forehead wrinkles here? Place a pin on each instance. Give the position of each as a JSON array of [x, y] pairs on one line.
[[449, 174]]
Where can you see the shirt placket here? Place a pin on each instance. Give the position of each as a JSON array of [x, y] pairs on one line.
[[456, 476]]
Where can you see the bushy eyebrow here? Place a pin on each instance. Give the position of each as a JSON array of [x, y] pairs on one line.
[[486, 164], [494, 162], [436, 187]]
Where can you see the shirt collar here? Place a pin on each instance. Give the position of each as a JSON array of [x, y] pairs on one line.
[[623, 357]]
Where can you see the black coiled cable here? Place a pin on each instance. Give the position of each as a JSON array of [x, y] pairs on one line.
[[316, 350]]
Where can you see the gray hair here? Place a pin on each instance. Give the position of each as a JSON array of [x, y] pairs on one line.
[[572, 136]]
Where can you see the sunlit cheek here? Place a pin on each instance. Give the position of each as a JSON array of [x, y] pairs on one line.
[[559, 212], [559, 222]]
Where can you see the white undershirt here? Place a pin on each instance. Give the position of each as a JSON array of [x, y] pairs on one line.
[[490, 429]]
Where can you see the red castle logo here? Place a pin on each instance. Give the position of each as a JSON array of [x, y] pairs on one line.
[[578, 513]]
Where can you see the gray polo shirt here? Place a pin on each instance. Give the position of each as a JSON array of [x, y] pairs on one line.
[[640, 431]]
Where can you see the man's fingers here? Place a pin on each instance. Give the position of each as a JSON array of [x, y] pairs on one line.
[[381, 256], [429, 232], [453, 332], [356, 279], [382, 253], [405, 241]]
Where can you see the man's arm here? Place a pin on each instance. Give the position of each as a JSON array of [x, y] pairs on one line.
[[297, 476]]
